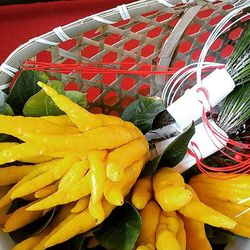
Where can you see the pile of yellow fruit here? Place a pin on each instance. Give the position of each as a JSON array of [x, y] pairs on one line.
[[89, 163], [172, 214], [82, 158]]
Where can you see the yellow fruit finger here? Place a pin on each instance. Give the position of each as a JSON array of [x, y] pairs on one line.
[[19, 125], [45, 179], [74, 174], [46, 191], [169, 189], [181, 234], [20, 218], [37, 159], [80, 223], [81, 205], [97, 211], [34, 241], [146, 247], [83, 119], [150, 217], [62, 120], [97, 173], [173, 198], [4, 145], [236, 212], [108, 138], [223, 193], [121, 158], [40, 168], [13, 174], [196, 235], [241, 181], [164, 235], [29, 243], [21, 151], [205, 213], [142, 192], [114, 192], [64, 196]]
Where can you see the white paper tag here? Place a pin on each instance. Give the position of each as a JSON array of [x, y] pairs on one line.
[[188, 107]]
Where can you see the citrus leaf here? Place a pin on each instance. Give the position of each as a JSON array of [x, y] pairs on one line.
[[77, 97], [121, 229], [6, 109], [172, 155], [151, 166], [218, 236], [177, 149], [24, 87], [142, 112], [41, 104]]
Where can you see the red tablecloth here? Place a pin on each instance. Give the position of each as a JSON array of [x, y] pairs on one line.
[[19, 23]]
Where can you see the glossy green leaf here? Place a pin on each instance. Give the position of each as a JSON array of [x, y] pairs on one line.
[[142, 112], [177, 149], [172, 155], [77, 97], [121, 229], [6, 109], [218, 236], [41, 104], [151, 166], [24, 87]]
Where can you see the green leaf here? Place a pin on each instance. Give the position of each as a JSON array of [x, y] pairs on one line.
[[235, 110], [121, 229], [238, 65], [77, 97], [24, 87], [151, 166], [41, 104], [142, 112], [173, 154], [218, 236], [6, 110], [177, 149]]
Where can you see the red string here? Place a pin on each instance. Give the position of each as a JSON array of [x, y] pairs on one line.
[[103, 68], [241, 166]]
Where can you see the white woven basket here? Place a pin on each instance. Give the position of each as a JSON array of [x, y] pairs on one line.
[[160, 32]]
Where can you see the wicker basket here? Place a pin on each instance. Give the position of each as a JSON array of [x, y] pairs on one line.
[[165, 33]]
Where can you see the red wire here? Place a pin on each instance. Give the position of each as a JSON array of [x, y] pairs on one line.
[[91, 68], [242, 166]]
